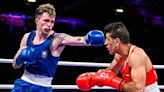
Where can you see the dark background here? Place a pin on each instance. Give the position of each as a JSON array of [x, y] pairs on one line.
[[143, 18]]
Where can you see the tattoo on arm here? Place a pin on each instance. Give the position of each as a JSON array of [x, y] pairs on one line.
[[64, 36], [78, 39]]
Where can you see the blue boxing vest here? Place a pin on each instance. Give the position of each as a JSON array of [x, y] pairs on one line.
[[43, 62]]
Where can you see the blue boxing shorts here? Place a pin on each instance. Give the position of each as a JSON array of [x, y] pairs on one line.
[[23, 86]]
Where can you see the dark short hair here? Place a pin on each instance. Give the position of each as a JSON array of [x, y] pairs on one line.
[[118, 30]]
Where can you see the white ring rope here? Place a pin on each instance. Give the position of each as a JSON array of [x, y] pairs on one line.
[[86, 64], [66, 63], [9, 86]]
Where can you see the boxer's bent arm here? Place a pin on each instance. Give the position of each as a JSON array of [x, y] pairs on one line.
[[22, 46], [114, 65], [138, 72]]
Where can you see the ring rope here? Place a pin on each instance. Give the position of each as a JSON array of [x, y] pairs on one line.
[[9, 86], [86, 64], [66, 63]]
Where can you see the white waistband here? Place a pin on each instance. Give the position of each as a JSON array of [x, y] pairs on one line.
[[37, 79], [152, 88]]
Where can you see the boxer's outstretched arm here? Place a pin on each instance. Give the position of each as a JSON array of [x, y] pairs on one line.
[[72, 40], [93, 38]]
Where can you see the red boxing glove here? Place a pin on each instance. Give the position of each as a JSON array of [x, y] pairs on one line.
[[109, 78], [85, 81]]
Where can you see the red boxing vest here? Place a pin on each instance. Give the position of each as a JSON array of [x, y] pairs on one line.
[[151, 76]]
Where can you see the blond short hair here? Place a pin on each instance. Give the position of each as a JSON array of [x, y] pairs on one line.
[[48, 8]]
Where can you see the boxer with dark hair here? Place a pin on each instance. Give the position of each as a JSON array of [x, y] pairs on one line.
[[138, 73]]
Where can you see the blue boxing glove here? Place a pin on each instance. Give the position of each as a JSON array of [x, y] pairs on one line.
[[25, 55], [95, 38]]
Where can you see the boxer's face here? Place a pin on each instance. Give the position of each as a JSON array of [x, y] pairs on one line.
[[45, 23], [111, 44]]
